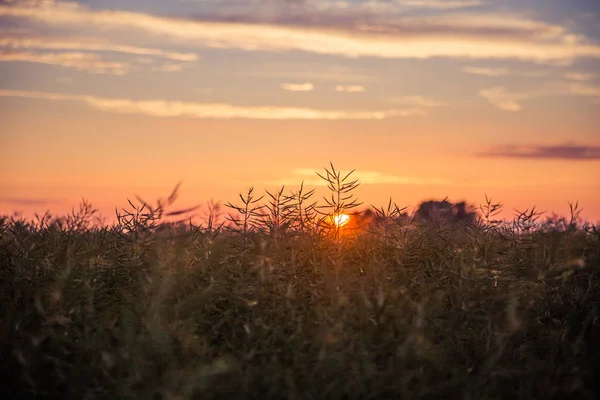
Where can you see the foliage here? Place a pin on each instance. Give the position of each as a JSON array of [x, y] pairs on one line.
[[447, 212], [270, 302]]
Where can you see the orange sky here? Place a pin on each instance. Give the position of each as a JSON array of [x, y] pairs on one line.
[[425, 99]]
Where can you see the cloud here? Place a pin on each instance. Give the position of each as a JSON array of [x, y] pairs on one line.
[[581, 76], [486, 71], [65, 80], [330, 73], [162, 108], [441, 4], [410, 112], [348, 34], [26, 201], [560, 152], [497, 72], [581, 89], [204, 91], [350, 88], [297, 87], [83, 54], [309, 177], [418, 101], [506, 100], [84, 44], [77, 60], [169, 67]]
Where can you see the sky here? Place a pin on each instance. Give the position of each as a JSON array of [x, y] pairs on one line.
[[425, 99]]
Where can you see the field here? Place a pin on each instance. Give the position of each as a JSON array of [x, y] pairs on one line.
[[277, 302]]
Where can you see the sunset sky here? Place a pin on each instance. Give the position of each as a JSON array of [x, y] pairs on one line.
[[424, 98]]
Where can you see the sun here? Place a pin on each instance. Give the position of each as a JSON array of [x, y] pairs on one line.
[[341, 220]]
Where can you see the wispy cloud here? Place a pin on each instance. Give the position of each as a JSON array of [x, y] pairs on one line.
[[507, 100], [309, 177], [162, 108], [297, 87], [582, 89], [204, 91], [418, 101], [350, 88], [581, 76], [85, 44], [441, 4], [474, 36], [85, 54], [560, 152], [168, 67], [501, 98], [330, 73], [486, 71], [80, 61], [26, 201], [65, 80], [501, 72]]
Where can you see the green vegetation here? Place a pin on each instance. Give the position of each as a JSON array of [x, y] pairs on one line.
[[273, 302]]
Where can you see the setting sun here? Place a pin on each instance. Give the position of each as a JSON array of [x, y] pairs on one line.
[[341, 220]]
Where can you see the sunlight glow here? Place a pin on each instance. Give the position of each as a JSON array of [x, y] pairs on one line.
[[341, 220]]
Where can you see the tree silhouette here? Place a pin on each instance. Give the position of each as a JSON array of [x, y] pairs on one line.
[[445, 211]]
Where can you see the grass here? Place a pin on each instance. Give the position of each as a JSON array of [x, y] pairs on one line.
[[272, 302]]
